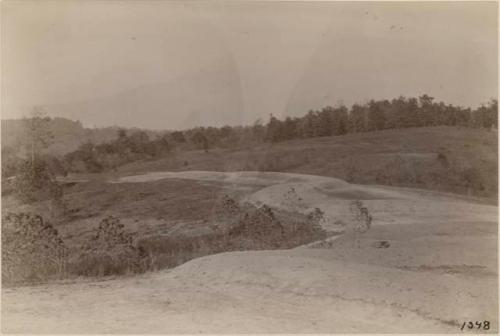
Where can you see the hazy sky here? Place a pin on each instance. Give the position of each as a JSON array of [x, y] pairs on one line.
[[180, 64]]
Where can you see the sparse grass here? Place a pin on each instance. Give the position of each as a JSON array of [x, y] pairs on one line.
[[109, 250], [108, 247], [450, 159], [144, 210], [237, 227]]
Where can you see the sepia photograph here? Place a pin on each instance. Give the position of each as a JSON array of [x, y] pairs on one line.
[[249, 167]]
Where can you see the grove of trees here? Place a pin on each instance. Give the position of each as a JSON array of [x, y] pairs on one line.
[[134, 145], [379, 115]]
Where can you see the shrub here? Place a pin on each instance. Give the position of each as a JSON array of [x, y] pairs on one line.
[[35, 182], [31, 249], [362, 218], [226, 207], [109, 250], [316, 216], [260, 226], [267, 228]]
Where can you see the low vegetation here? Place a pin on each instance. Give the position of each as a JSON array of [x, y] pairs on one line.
[[441, 158], [108, 250], [105, 229], [33, 251]]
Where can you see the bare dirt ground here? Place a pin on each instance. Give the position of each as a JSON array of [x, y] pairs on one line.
[[428, 264]]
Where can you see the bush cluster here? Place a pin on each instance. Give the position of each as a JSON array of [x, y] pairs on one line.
[[31, 249], [109, 250], [362, 218], [35, 182]]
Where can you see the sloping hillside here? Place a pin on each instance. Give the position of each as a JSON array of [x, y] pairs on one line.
[[66, 134], [457, 160], [428, 264]]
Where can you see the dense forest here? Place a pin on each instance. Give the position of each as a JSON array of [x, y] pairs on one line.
[[132, 145], [379, 115]]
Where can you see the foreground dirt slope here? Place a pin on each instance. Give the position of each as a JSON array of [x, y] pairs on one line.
[[428, 264]]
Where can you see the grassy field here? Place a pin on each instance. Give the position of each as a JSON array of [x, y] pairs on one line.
[[450, 159], [170, 221]]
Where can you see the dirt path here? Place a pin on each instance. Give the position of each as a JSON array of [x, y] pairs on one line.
[[300, 192], [438, 270], [228, 293]]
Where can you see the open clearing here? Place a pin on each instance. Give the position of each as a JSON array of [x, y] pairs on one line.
[[427, 265]]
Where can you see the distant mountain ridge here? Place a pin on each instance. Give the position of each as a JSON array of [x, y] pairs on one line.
[[67, 134]]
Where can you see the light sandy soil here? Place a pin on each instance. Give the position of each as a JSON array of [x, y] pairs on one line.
[[439, 270]]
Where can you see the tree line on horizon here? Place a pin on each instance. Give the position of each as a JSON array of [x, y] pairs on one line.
[[378, 115], [134, 145]]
